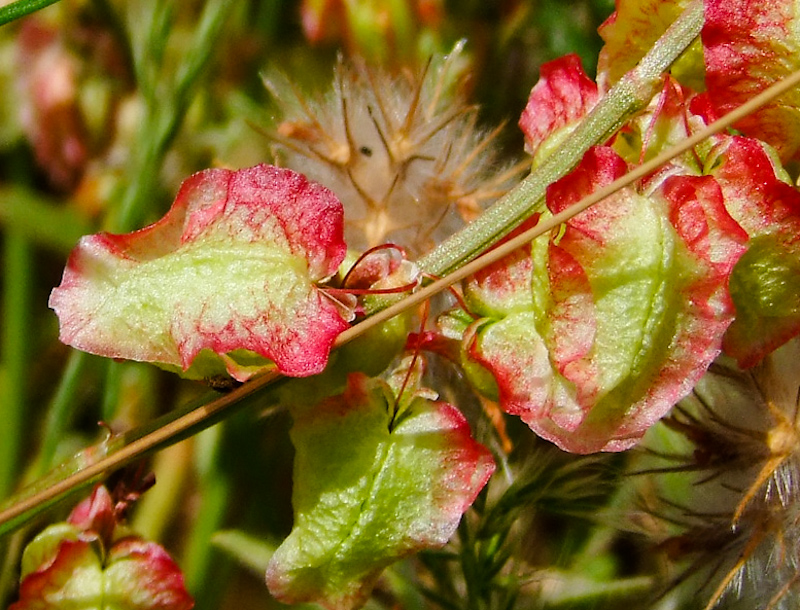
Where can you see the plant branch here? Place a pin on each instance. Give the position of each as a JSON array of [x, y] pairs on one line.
[[22, 8], [175, 426], [117, 451], [630, 94]]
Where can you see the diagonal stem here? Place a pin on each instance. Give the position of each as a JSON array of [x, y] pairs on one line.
[[21, 8], [192, 418], [631, 93]]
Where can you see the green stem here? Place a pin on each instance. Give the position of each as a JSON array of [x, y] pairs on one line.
[[11, 551], [60, 411], [205, 41], [21, 8], [15, 341], [90, 465], [631, 93], [204, 566], [112, 391], [15, 349], [165, 111], [215, 491]]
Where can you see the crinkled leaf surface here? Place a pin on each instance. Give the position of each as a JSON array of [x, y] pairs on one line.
[[73, 580], [370, 488], [138, 575], [231, 269], [758, 196], [631, 313], [755, 194], [631, 31], [766, 291], [764, 283], [502, 287], [749, 45], [563, 96]]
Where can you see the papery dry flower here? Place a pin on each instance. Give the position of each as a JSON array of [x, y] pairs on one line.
[[740, 523], [404, 153]]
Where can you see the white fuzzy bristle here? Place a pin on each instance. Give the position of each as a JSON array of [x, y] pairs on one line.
[[403, 153]]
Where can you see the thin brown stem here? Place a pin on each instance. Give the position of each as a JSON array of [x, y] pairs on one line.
[[28, 504]]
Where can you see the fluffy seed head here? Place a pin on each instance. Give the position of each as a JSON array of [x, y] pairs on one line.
[[740, 524], [403, 152]]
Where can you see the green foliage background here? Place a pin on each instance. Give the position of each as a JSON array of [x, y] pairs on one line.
[[175, 92]]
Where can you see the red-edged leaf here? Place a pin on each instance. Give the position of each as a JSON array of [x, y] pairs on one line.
[[231, 269], [140, 575], [764, 283], [83, 564], [563, 95], [96, 514], [754, 194], [748, 46], [503, 287], [527, 384], [72, 580], [49, 100], [372, 486], [635, 308], [631, 31], [573, 325], [665, 122]]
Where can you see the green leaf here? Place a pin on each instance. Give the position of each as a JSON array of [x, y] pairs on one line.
[[226, 280], [766, 293], [371, 487], [631, 314]]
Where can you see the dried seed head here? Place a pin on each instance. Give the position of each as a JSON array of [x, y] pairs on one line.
[[741, 520], [403, 152]]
